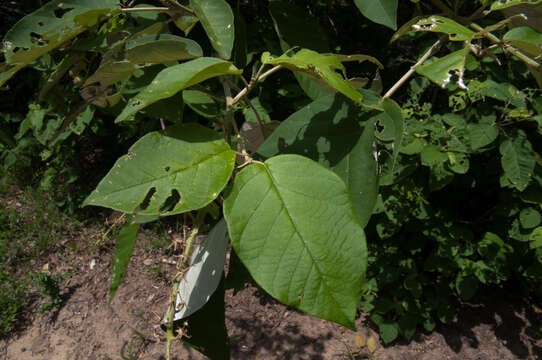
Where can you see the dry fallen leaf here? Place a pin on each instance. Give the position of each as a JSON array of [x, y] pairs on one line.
[[360, 340], [371, 344]]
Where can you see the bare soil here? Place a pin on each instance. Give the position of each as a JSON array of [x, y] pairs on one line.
[[87, 327]]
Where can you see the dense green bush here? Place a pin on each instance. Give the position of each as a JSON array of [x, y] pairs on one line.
[[298, 140]]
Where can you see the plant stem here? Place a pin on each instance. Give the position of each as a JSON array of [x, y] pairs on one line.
[[162, 9], [412, 69], [508, 48], [249, 103], [170, 336], [253, 82]]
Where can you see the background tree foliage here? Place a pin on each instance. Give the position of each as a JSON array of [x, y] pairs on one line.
[[444, 183]]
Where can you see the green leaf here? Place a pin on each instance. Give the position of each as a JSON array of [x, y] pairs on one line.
[[526, 39], [393, 112], [518, 160], [325, 131], [160, 49], [503, 4], [440, 24], [174, 79], [481, 135], [312, 260], [382, 12], [217, 19], [180, 169], [535, 238], [49, 27], [466, 286], [262, 111], [358, 171], [501, 91], [201, 103], [529, 218], [204, 273], [389, 330], [320, 67], [407, 325], [442, 70], [432, 156], [123, 252]]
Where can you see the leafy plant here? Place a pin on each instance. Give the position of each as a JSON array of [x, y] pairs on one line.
[[447, 192]]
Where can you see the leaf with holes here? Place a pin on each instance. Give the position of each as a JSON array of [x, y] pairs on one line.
[[382, 12], [217, 19], [49, 27], [313, 260], [441, 71], [503, 4], [205, 272], [180, 169], [319, 67], [518, 159], [440, 24], [124, 248], [175, 78]]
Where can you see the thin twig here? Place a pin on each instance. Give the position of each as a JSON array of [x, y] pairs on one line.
[[508, 48], [412, 69], [249, 103], [182, 268], [247, 89]]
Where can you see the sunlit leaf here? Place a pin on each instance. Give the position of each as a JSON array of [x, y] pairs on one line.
[[314, 261], [379, 11], [179, 169]]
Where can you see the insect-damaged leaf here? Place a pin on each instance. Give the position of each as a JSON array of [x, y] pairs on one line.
[[205, 272], [50, 26], [176, 78], [503, 4], [441, 71], [313, 260], [455, 31], [180, 169], [217, 19]]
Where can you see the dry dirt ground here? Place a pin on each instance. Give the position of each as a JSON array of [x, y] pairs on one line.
[[86, 327]]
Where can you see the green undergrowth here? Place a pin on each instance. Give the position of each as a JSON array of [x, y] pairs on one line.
[[31, 228]]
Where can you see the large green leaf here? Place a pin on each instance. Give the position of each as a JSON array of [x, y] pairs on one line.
[[359, 172], [202, 278], [518, 160], [526, 39], [217, 19], [124, 248], [455, 31], [313, 260], [49, 27], [176, 78], [179, 169], [201, 103], [441, 71], [382, 12], [318, 66], [161, 48], [325, 130]]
